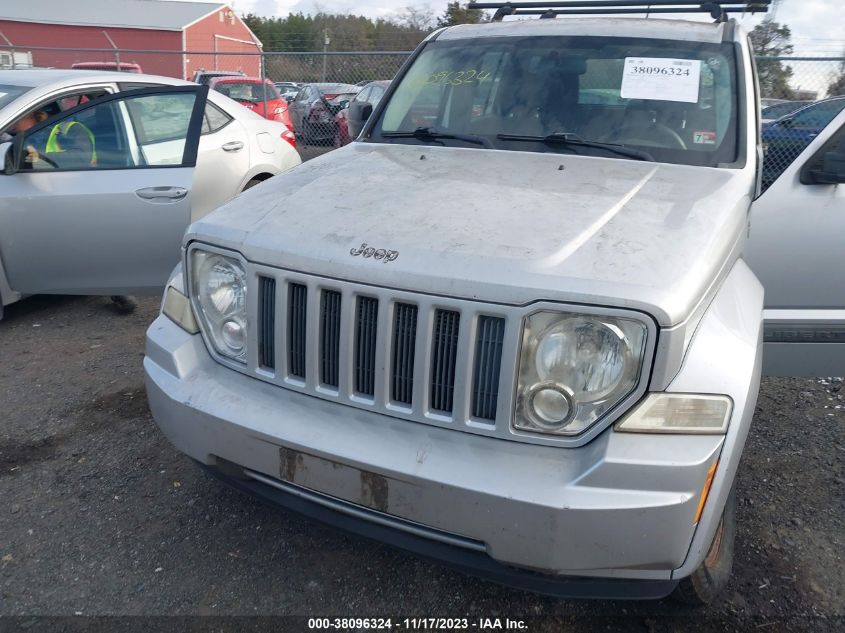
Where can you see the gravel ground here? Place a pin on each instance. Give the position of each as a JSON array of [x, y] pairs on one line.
[[101, 516]]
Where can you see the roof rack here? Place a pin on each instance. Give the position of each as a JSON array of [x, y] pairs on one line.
[[718, 9]]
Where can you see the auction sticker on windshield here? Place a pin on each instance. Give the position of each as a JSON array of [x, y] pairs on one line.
[[661, 79]]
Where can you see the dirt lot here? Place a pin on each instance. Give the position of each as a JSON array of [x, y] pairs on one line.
[[100, 516]]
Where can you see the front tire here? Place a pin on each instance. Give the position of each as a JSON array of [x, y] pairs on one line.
[[712, 576]]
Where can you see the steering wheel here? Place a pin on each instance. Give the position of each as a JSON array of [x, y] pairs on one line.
[[47, 160], [647, 135]]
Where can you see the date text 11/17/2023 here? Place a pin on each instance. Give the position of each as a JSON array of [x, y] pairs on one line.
[[418, 624]]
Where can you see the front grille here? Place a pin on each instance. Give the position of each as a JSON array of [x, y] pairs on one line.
[[366, 330], [444, 355], [417, 357], [488, 366], [297, 315], [267, 322], [330, 302], [404, 347]]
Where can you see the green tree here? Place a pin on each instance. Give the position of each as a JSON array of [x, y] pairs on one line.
[[457, 13], [771, 39]]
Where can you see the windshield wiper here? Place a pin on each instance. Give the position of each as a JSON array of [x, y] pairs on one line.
[[566, 138], [430, 134]]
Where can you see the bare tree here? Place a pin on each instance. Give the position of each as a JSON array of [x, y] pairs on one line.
[[771, 40], [416, 18]]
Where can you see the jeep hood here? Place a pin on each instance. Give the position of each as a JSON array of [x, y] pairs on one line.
[[499, 226]]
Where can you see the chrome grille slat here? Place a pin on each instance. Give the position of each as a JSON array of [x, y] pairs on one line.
[[366, 324], [444, 356], [404, 348], [266, 322], [488, 365], [330, 311], [297, 324]]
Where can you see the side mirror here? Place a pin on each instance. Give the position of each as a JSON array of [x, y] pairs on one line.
[[831, 171], [359, 112]]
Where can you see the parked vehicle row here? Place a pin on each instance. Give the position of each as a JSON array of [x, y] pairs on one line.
[[785, 138]]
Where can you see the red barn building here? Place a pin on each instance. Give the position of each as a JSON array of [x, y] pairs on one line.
[[131, 25]]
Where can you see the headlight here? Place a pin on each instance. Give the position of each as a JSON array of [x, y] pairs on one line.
[[218, 287], [575, 368]]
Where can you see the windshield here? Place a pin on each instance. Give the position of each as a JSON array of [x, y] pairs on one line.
[[248, 91], [675, 100], [9, 93]]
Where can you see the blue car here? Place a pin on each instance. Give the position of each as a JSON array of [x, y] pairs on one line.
[[786, 138]]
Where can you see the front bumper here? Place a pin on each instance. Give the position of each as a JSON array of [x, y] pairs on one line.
[[620, 507]]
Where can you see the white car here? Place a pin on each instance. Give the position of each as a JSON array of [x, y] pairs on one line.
[[159, 160]]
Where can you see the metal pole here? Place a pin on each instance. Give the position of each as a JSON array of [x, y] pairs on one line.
[[326, 42], [116, 50]]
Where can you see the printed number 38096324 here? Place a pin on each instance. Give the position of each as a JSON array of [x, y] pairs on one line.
[[458, 77]]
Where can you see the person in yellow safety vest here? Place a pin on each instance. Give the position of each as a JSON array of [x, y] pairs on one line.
[[71, 144]]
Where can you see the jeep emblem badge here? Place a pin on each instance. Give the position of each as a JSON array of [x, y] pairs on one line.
[[376, 253]]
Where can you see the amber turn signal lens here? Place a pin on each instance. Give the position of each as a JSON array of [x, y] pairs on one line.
[[705, 490]]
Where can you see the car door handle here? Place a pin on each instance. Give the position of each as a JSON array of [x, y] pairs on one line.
[[232, 146], [162, 194]]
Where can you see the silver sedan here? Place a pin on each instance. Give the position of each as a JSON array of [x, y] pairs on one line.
[[100, 183]]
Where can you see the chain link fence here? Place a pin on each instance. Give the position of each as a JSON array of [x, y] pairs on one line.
[[315, 88], [800, 97]]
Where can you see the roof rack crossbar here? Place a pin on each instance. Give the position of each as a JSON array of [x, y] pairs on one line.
[[718, 9]]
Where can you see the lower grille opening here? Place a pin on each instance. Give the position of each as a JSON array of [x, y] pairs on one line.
[[444, 354], [404, 343], [488, 366], [267, 322], [366, 322], [330, 338], [297, 319]]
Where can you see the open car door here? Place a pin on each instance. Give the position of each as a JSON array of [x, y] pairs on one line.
[[97, 199], [797, 249]]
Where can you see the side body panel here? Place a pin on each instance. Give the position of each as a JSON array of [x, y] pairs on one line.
[[797, 249]]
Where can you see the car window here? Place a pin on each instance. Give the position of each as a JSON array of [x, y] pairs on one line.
[[818, 115], [251, 92], [57, 105], [9, 93], [781, 109], [376, 95], [214, 119], [675, 100], [143, 131]]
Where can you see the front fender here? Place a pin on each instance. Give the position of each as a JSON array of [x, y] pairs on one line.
[[725, 357]]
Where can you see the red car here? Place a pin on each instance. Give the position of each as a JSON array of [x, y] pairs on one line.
[[259, 95], [370, 93], [124, 67]]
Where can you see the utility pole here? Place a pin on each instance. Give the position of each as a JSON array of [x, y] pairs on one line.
[[326, 42], [116, 50], [774, 10]]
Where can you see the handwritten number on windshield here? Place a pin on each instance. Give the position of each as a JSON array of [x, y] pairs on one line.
[[458, 77]]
